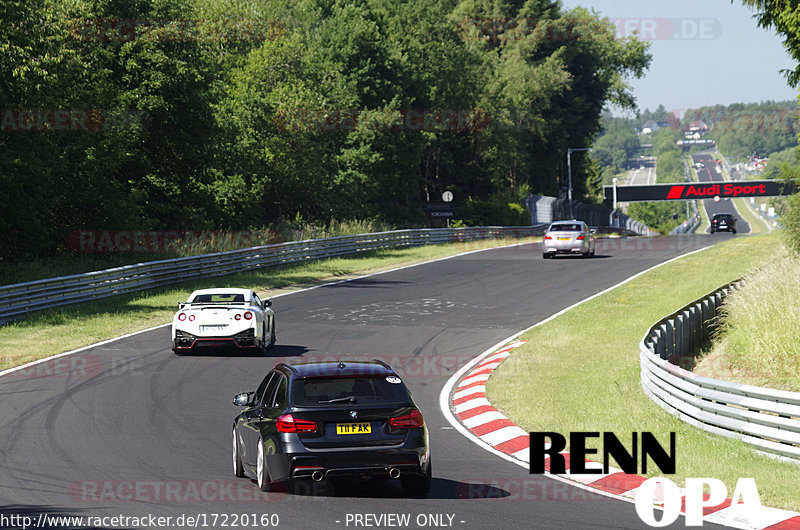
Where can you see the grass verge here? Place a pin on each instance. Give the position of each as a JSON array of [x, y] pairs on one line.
[[757, 342], [580, 371], [757, 225], [48, 333]]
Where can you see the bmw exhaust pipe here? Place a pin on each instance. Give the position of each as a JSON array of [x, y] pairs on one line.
[[318, 475], [394, 473]]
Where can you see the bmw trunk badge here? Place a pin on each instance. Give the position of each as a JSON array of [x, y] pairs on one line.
[[353, 414]]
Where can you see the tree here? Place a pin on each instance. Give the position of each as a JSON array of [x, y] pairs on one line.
[[784, 17]]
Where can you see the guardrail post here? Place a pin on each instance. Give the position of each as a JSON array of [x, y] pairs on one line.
[[707, 314], [669, 339], [661, 343], [689, 315], [677, 351], [687, 333]]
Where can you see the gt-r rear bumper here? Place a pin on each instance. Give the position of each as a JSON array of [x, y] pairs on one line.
[[186, 342]]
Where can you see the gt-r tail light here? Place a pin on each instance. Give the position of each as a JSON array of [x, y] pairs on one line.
[[181, 316], [191, 318], [288, 423], [237, 316], [248, 315], [407, 421]]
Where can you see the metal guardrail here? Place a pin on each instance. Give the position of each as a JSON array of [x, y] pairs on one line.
[[767, 419], [20, 299], [690, 225]]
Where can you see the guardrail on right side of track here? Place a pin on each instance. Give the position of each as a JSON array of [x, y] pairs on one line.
[[20, 299], [767, 419]]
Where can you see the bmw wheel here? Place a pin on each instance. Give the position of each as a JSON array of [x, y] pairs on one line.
[[262, 473], [417, 485], [238, 469]]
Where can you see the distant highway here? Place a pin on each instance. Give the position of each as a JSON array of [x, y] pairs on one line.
[[709, 174]]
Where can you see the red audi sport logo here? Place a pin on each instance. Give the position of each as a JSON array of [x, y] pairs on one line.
[[723, 190]]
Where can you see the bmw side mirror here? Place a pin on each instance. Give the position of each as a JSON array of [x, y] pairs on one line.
[[243, 399], [593, 231]]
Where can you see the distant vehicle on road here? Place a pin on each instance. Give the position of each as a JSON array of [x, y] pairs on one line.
[[331, 419], [217, 318], [568, 237], [723, 222]]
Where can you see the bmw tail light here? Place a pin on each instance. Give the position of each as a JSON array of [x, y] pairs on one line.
[[248, 315], [288, 423], [580, 238], [548, 237], [181, 316], [407, 421]]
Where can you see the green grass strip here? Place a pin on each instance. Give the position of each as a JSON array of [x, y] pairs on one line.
[[51, 332], [580, 371]]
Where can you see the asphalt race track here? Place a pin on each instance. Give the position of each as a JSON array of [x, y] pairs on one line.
[[128, 428], [708, 174]]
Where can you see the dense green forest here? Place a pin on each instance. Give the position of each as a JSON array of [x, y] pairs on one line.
[[230, 114]]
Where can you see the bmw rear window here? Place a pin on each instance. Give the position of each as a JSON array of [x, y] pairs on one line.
[[334, 391]]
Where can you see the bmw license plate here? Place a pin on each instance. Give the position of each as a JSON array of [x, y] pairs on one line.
[[564, 238], [353, 428]]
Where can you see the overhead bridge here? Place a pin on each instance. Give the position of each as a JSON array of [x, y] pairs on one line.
[[700, 190]]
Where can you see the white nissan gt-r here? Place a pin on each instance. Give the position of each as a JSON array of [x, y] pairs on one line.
[[216, 318]]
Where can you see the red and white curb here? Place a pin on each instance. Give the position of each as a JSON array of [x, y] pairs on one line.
[[469, 405]]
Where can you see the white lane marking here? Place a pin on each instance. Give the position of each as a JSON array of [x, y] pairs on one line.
[[107, 341]]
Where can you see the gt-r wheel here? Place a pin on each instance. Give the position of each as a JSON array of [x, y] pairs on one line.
[[262, 473], [272, 335], [238, 469]]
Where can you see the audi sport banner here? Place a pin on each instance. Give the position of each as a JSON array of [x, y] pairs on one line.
[[700, 190]]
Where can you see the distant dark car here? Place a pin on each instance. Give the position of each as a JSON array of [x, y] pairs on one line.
[[331, 419], [723, 222]]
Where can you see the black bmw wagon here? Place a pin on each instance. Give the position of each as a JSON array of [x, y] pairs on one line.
[[331, 419]]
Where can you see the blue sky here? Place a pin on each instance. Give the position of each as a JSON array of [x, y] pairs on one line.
[[720, 55]]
